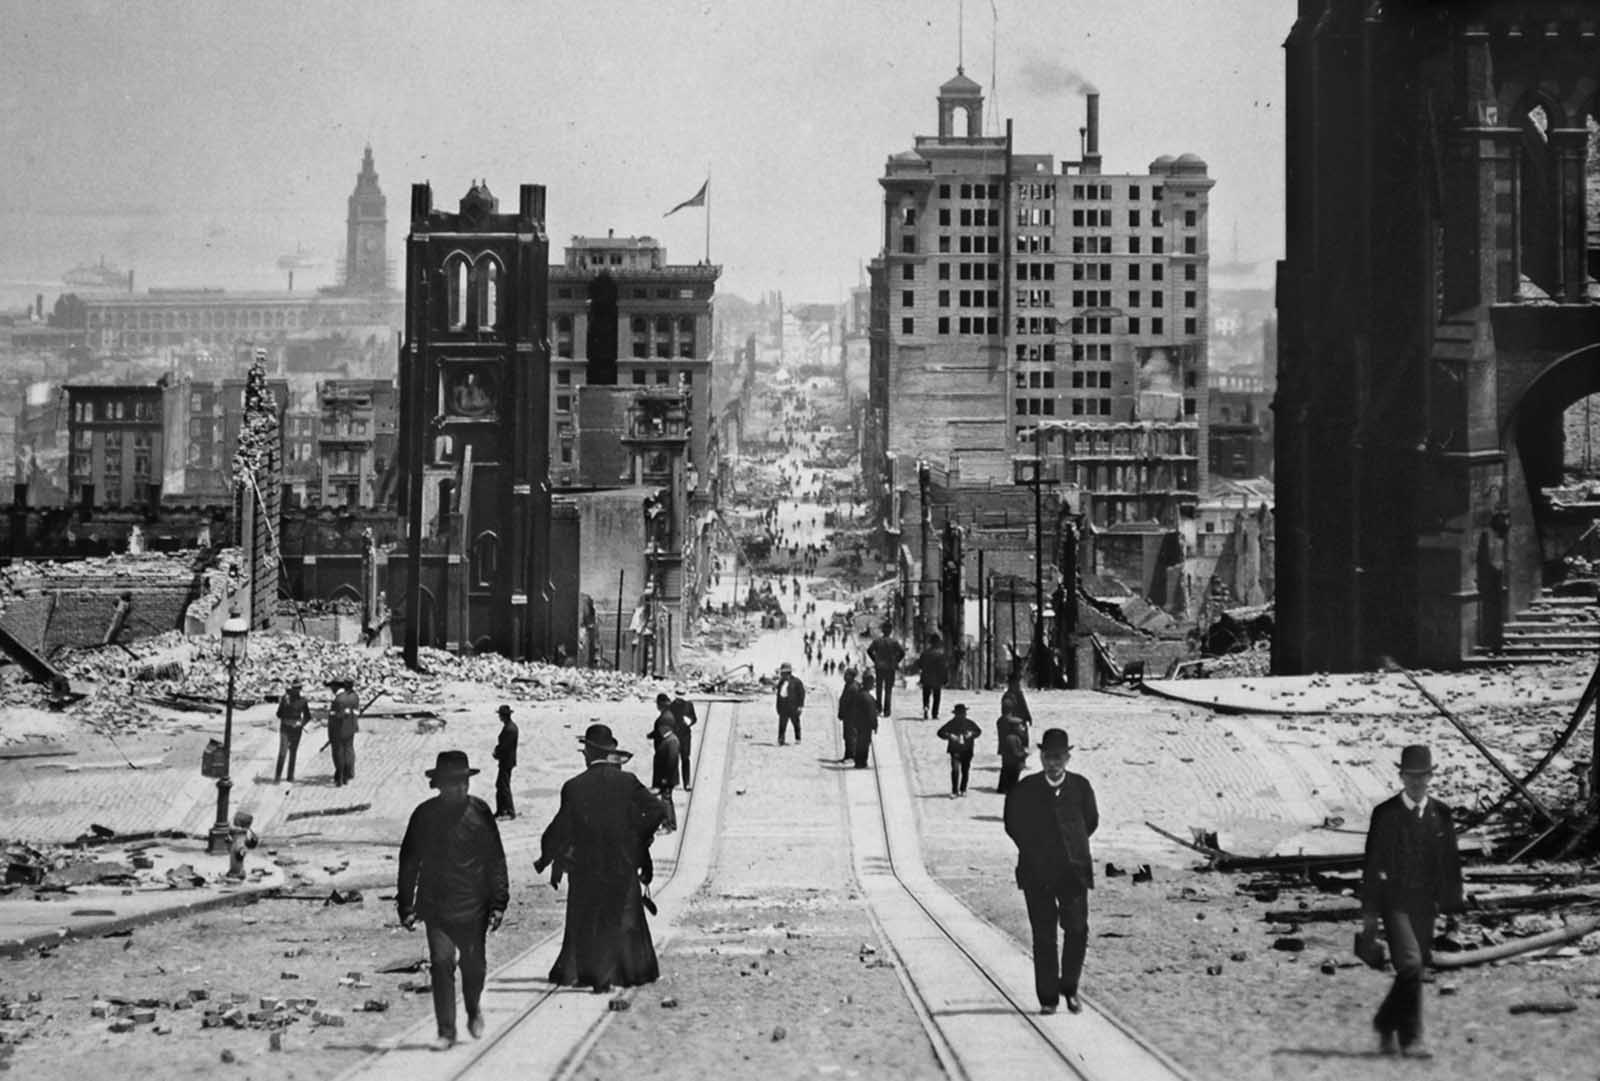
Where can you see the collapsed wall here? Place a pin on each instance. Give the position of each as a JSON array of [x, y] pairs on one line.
[[91, 602]]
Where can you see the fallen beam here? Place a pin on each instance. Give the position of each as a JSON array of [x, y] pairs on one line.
[[1559, 936], [349, 809]]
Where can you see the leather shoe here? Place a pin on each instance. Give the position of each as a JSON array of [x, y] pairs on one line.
[[1074, 1004], [475, 1026], [1388, 1043], [1048, 1010], [1417, 1048], [443, 1043]]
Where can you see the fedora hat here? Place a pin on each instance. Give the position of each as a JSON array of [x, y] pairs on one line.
[[450, 765], [1416, 758], [960, 710], [1055, 741], [786, 667], [504, 710], [598, 736]]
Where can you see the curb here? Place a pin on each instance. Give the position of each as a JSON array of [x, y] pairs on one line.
[[99, 929]]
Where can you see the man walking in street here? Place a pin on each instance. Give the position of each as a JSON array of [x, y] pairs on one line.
[[453, 878], [791, 699], [1013, 751], [863, 723], [342, 727], [932, 673], [1050, 816], [600, 838], [293, 713], [505, 757], [1412, 873], [886, 653], [684, 720], [664, 763], [961, 736]]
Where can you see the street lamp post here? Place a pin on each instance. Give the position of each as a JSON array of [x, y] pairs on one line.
[[1027, 470], [235, 635]]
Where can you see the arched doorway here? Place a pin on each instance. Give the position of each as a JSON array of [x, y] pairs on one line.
[[1549, 514]]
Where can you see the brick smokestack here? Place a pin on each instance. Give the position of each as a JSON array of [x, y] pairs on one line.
[[1091, 131]]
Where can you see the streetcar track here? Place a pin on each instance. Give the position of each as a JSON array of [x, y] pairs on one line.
[[469, 1059], [1156, 1063]]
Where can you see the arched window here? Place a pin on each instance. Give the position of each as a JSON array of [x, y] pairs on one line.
[[485, 557], [1540, 225], [488, 293], [456, 285]]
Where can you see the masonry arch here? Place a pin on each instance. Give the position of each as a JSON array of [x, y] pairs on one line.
[[1551, 518]]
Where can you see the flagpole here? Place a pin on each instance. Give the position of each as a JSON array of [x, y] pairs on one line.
[[708, 214]]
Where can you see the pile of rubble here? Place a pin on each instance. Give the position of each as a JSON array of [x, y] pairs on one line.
[[190, 675]]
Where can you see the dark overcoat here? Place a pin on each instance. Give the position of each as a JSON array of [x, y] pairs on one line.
[[601, 835], [1052, 840], [1389, 880]]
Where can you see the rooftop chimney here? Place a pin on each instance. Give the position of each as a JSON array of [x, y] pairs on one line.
[[1091, 138]]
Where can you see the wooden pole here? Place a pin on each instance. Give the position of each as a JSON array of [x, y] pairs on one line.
[[616, 660], [1522, 789]]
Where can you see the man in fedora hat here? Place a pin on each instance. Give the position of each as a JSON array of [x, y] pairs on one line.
[[505, 758], [293, 713], [791, 699], [453, 878], [1412, 873], [1050, 816], [601, 836], [683, 722]]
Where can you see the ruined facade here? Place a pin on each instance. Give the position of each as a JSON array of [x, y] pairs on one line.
[[474, 424], [1438, 312]]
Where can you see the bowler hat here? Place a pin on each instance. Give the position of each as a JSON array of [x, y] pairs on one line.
[[449, 766], [598, 736], [959, 710], [504, 710], [1054, 742], [786, 667], [1416, 758]]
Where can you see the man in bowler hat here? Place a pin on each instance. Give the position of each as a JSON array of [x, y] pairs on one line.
[[791, 699], [1412, 873], [342, 726], [294, 713], [1050, 816], [505, 758], [453, 878]]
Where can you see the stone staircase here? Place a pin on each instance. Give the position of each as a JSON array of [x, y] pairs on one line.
[[1551, 630]]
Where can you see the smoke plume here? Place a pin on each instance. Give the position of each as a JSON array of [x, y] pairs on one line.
[[1048, 78]]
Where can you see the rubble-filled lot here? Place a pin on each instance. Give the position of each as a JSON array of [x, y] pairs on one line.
[[290, 989]]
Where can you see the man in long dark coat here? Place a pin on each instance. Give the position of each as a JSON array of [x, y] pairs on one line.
[[847, 713], [862, 721], [453, 878], [505, 758], [932, 673], [1412, 873], [683, 722], [1051, 815], [600, 838]]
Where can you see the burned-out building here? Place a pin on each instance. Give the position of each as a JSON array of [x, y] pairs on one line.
[[1014, 291], [474, 425], [1437, 315], [622, 315]]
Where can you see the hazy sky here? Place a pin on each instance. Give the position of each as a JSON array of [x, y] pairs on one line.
[[226, 112]]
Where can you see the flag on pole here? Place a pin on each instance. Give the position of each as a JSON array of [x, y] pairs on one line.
[[697, 199]]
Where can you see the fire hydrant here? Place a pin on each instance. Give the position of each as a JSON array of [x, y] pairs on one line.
[[240, 837]]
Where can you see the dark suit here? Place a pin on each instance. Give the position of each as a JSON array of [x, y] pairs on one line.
[[601, 838], [860, 715], [505, 756], [791, 698], [886, 653], [1051, 828], [1412, 873], [684, 716]]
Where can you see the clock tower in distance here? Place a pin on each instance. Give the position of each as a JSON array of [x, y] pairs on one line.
[[366, 264]]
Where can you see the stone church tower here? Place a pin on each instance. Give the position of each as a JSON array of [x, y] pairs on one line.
[[475, 425]]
